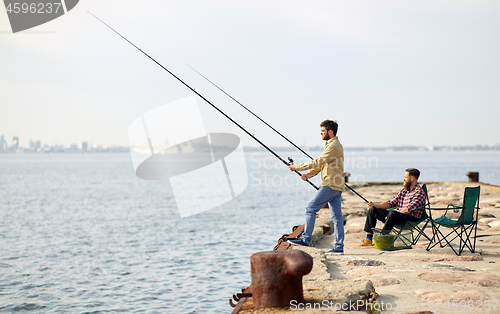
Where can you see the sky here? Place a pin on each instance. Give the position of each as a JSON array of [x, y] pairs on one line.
[[391, 73]]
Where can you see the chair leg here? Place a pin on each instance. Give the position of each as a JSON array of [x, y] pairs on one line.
[[438, 235], [466, 240], [448, 242], [433, 240], [421, 231], [439, 240], [435, 236], [475, 233], [442, 238], [463, 233], [463, 242]]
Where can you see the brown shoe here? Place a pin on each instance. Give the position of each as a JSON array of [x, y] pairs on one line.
[[365, 242]]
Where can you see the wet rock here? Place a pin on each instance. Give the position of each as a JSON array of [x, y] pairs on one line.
[[444, 296], [494, 224], [366, 272], [324, 282], [483, 215], [490, 212], [449, 266], [459, 259], [494, 241], [388, 281], [350, 217], [353, 229], [485, 221], [364, 263], [355, 225], [458, 278]]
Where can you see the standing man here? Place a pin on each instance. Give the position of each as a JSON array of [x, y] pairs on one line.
[[410, 203], [331, 165]]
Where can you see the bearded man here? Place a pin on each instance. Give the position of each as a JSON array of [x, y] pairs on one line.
[[409, 202]]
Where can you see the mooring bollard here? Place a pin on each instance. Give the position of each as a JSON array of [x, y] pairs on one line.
[[473, 176], [277, 277]]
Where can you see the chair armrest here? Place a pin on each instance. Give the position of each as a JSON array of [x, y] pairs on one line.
[[431, 209], [445, 209]]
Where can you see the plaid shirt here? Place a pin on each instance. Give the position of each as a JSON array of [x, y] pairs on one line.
[[410, 200]]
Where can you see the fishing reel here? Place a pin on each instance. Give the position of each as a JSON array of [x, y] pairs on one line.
[[290, 160]]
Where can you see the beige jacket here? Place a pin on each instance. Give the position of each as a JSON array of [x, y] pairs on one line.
[[330, 163]]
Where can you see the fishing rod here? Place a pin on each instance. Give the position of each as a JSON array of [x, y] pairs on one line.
[[250, 111], [201, 96], [291, 160]]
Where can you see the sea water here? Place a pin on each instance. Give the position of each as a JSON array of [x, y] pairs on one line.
[[83, 234]]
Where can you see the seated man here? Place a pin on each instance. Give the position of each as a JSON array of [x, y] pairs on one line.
[[410, 203]]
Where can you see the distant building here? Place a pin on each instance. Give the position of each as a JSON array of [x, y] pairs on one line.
[[32, 144], [84, 146], [3, 143], [38, 144], [74, 147], [15, 143]]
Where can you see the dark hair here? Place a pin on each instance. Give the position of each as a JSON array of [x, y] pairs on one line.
[[330, 125], [414, 172]]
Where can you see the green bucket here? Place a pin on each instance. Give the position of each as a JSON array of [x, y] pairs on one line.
[[384, 241]]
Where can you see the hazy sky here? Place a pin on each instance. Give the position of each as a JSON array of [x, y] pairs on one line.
[[390, 72]]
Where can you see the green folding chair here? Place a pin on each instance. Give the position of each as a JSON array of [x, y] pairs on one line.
[[414, 225], [462, 227]]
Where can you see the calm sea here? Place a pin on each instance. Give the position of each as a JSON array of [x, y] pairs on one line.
[[83, 234]]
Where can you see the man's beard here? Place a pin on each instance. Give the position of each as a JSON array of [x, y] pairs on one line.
[[326, 137], [407, 185]]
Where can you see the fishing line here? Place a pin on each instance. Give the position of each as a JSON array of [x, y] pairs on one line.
[[202, 97]]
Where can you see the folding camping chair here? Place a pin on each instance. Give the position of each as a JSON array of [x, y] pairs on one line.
[[414, 225], [462, 227]]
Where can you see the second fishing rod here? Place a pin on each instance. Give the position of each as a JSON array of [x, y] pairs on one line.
[[284, 137], [202, 97]]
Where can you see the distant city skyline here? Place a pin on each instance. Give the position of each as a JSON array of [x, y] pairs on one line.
[[39, 147], [34, 143], [85, 146]]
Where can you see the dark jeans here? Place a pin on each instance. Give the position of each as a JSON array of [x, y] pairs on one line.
[[389, 217]]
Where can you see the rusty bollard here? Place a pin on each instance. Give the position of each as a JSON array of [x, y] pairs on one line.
[[473, 176], [277, 277]]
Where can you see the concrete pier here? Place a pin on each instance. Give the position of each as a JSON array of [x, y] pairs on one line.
[[407, 281]]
